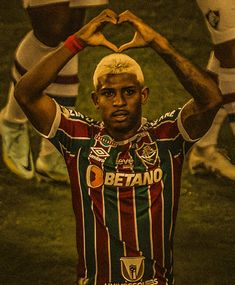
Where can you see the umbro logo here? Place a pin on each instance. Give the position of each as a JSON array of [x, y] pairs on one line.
[[99, 154], [99, 151]]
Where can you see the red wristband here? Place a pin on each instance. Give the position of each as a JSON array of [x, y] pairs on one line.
[[73, 44]]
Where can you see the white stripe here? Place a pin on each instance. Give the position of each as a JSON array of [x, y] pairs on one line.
[[181, 128], [169, 139], [109, 254], [95, 239], [135, 220], [83, 218], [172, 203], [63, 148], [104, 221], [151, 232], [119, 222], [163, 237], [134, 208]]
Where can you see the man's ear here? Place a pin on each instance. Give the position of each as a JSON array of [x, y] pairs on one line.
[[144, 95], [95, 99]]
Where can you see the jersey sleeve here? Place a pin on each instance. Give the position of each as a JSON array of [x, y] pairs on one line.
[[170, 130], [69, 130], [182, 130]]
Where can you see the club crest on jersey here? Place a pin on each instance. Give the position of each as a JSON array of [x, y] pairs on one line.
[[132, 268], [213, 17], [148, 153]]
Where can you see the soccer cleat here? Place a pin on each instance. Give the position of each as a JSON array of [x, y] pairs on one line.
[[51, 168], [207, 160], [16, 148]]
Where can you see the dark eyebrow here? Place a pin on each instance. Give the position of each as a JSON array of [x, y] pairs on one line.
[[132, 86], [106, 89], [125, 87]]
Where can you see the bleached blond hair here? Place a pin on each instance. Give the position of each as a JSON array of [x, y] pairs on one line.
[[117, 63]]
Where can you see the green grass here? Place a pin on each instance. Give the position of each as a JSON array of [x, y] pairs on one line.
[[37, 234]]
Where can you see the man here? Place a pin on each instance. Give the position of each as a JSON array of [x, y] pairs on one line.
[[52, 22], [124, 171], [205, 156]]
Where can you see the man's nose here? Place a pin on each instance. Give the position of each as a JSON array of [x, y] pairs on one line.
[[119, 99]]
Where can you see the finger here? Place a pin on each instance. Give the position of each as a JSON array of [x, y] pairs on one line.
[[109, 16], [127, 16], [127, 46], [109, 12], [136, 42], [109, 45], [123, 17]]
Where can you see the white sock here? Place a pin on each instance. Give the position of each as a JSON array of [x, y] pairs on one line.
[[28, 53]]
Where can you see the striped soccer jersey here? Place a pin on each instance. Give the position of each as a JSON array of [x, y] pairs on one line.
[[125, 197]]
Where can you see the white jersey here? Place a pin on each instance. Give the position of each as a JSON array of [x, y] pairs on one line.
[[220, 19], [72, 3]]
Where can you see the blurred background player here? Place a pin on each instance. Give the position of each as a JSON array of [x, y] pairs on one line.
[[205, 156], [52, 21]]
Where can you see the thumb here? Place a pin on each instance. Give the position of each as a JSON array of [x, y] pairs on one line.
[[109, 45], [126, 46], [136, 42]]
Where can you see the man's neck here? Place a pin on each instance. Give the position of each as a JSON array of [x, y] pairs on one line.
[[121, 135]]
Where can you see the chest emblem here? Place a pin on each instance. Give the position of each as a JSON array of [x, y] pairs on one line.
[[148, 153]]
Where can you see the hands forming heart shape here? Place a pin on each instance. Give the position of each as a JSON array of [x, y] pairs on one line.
[[91, 33]]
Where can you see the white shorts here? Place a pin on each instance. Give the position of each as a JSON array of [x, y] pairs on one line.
[[72, 3], [226, 76], [220, 19]]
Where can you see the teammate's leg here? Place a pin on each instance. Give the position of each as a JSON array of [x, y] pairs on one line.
[[205, 156], [51, 24], [227, 87]]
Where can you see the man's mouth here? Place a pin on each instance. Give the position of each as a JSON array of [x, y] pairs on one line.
[[120, 115]]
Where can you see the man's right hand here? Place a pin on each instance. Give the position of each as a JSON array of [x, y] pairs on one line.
[[144, 35], [90, 34]]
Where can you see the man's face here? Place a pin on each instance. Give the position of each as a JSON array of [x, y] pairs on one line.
[[119, 97]]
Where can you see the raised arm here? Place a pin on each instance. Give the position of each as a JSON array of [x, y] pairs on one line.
[[38, 107], [198, 113]]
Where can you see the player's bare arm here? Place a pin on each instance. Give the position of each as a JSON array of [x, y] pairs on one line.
[[38, 107], [198, 114]]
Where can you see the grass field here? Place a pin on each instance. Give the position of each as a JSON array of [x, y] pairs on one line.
[[37, 240]]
